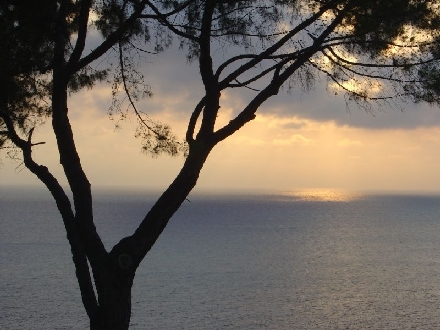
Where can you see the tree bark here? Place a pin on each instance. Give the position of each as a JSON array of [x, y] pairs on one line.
[[113, 286]]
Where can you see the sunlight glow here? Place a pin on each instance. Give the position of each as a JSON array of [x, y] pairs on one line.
[[322, 195], [408, 43], [362, 87]]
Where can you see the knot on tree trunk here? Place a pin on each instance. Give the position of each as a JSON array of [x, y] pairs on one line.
[[125, 261]]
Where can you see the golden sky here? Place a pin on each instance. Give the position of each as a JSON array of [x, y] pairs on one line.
[[298, 140]]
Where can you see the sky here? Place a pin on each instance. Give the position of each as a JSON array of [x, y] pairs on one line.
[[299, 140]]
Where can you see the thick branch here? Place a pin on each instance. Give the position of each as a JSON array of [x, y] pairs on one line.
[[193, 120], [210, 82], [82, 31], [205, 59], [69, 157], [135, 247]]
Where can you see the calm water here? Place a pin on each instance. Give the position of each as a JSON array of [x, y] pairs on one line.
[[314, 260]]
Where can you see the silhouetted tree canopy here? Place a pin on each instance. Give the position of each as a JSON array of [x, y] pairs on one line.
[[372, 51], [26, 31]]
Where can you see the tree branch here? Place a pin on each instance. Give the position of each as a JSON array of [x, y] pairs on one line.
[[193, 120], [212, 92], [127, 92], [109, 42], [163, 19], [279, 78], [83, 20], [263, 73], [160, 15], [276, 46], [69, 158], [65, 209], [349, 91], [364, 74], [376, 65]]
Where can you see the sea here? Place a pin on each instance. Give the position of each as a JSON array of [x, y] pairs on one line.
[[306, 259]]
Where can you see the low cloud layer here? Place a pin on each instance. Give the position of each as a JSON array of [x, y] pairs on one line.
[[177, 87]]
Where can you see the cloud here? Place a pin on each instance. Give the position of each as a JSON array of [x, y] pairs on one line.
[[321, 104], [293, 126], [295, 139], [177, 88], [246, 140], [431, 137], [349, 143]]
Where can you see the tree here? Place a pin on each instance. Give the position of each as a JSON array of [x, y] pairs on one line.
[[373, 51]]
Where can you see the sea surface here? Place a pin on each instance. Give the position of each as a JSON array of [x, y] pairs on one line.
[[292, 260]]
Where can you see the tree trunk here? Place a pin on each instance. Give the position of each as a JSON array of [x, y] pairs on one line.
[[114, 297], [114, 277]]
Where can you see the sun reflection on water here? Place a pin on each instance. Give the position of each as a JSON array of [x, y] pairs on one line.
[[322, 195]]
